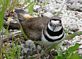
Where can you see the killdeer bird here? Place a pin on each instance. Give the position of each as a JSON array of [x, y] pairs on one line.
[[53, 32], [48, 30]]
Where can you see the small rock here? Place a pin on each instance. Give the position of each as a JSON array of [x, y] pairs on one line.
[[48, 14], [39, 48], [22, 45], [30, 44], [24, 50], [29, 51], [21, 57], [80, 47], [80, 50], [74, 4], [80, 42], [37, 8], [49, 8]]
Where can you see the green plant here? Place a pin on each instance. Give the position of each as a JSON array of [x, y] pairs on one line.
[[3, 7], [70, 53], [13, 52], [30, 7]]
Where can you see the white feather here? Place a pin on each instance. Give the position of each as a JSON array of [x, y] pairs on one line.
[[56, 28], [46, 42]]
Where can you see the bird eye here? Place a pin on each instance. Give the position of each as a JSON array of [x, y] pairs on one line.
[[51, 24]]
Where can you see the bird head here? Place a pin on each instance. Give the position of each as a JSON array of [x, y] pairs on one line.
[[55, 24]]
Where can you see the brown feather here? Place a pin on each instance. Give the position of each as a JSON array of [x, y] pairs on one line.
[[33, 26]]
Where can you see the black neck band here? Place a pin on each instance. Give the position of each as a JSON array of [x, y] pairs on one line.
[[51, 33], [52, 40]]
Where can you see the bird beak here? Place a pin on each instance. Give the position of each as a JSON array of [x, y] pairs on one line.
[[54, 27]]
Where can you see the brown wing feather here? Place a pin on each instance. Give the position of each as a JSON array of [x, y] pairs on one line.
[[34, 26]]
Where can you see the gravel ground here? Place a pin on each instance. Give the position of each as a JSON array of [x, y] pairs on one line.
[[71, 16]]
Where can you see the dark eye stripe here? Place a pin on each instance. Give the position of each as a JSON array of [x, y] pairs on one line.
[[57, 33], [51, 24]]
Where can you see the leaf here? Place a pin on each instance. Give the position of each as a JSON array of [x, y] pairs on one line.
[[3, 6], [30, 7], [1, 21], [74, 56], [73, 48], [59, 57]]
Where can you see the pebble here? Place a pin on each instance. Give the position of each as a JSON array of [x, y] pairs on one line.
[[25, 50], [74, 4], [30, 44], [48, 14], [37, 8], [39, 48], [80, 50], [69, 19]]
